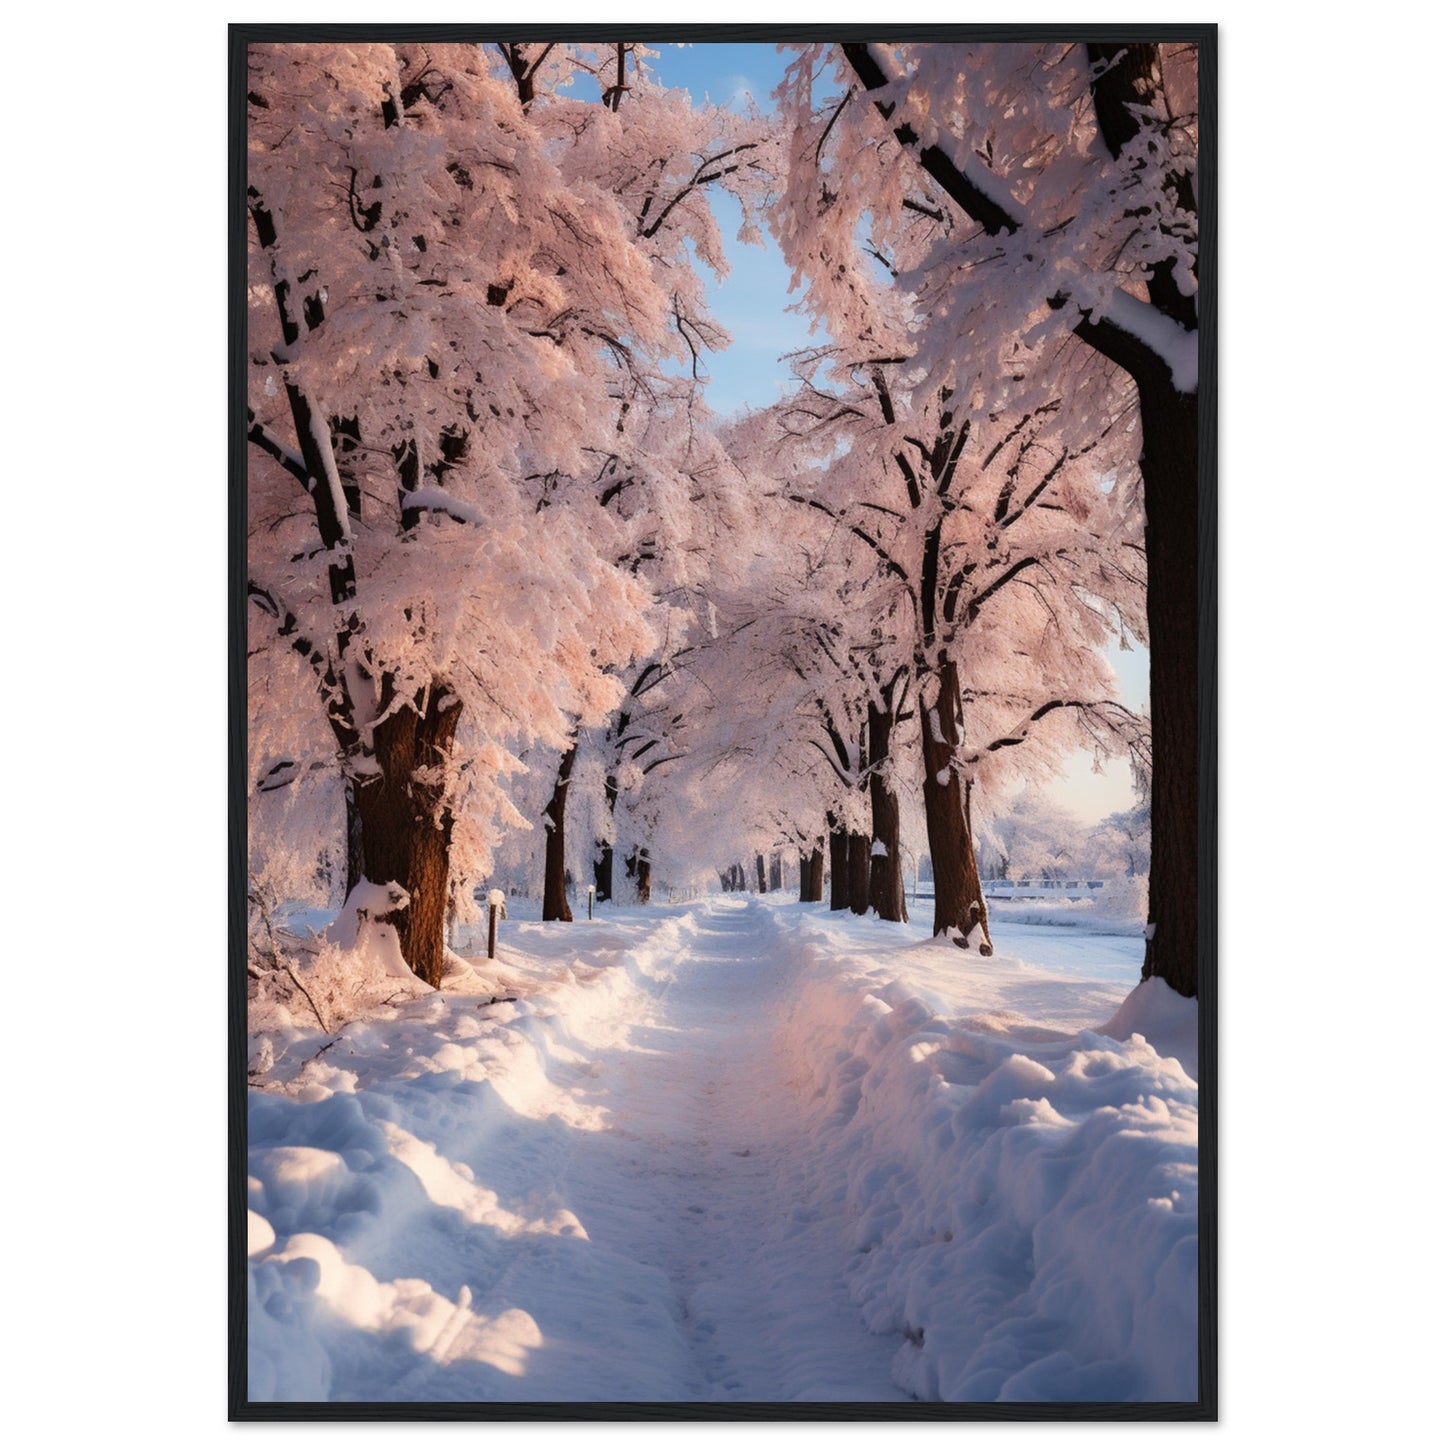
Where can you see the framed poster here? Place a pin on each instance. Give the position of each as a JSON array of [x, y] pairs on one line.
[[723, 776]]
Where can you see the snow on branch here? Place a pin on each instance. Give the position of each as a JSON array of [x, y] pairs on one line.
[[1118, 723], [1132, 333], [258, 436], [439, 500], [989, 203], [888, 562], [1176, 346]]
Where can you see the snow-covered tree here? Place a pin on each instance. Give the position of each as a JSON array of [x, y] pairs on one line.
[[441, 320], [994, 545], [1060, 182], [660, 158], [1119, 846], [1034, 837]]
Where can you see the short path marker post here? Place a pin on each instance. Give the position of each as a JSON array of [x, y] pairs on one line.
[[591, 892], [496, 903]]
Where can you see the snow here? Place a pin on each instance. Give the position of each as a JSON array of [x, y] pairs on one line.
[[321, 445], [879, 849], [438, 499], [993, 187], [357, 931], [1154, 1011], [736, 1149], [1175, 346]]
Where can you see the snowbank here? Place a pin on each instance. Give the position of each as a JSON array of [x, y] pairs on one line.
[[404, 1178], [1025, 1195]]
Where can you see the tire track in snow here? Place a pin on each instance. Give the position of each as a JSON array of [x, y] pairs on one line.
[[704, 1175]]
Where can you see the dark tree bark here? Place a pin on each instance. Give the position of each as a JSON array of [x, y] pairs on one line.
[[775, 873], [860, 859], [958, 900], [639, 868], [355, 849], [859, 867], [1171, 424], [555, 908], [524, 61], [762, 869], [1169, 465], [810, 874], [405, 831], [885, 881], [837, 865], [602, 868]]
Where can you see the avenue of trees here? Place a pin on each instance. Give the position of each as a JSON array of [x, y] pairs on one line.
[[522, 607]]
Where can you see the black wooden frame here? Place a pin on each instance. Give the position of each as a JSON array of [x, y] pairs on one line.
[[1206, 1407]]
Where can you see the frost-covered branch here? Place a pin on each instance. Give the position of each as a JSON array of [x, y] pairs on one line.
[[339, 712], [988, 205], [259, 436], [1117, 720], [440, 501], [1138, 336], [697, 180], [889, 563]]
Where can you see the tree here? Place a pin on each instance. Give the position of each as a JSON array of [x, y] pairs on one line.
[[1119, 847], [1077, 166], [994, 547], [437, 318], [657, 157], [1036, 838]]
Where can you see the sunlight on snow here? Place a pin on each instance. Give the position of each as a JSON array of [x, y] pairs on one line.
[[452, 1186], [446, 1330]]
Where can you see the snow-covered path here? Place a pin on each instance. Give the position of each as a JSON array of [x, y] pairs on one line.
[[703, 1175], [732, 1150]]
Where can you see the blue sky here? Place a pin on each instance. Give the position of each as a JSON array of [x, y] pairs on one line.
[[753, 304]]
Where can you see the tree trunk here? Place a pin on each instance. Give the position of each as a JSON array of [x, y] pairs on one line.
[[837, 865], [1170, 467], [1124, 78], [858, 870], [555, 908], [810, 875], [762, 875], [958, 900], [406, 833], [642, 874], [775, 873], [355, 848], [602, 871], [885, 881], [602, 867], [859, 847]]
